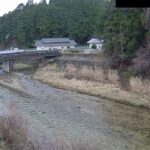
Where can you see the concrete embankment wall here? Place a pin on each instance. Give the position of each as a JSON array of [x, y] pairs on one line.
[[81, 59]]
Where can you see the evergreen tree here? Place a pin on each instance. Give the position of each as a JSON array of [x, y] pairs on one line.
[[122, 30], [43, 2]]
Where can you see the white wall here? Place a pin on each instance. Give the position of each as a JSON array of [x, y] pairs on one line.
[[90, 45], [42, 48], [72, 47], [55, 47]]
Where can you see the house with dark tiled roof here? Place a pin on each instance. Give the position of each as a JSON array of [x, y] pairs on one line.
[[55, 43]]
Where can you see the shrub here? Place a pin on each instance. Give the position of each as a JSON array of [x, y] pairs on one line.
[[140, 86], [142, 62], [64, 144], [13, 130], [94, 46]]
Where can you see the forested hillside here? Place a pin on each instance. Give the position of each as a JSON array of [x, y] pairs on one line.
[[124, 30], [73, 18]]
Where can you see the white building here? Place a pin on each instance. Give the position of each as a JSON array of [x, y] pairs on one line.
[[97, 43], [55, 43]]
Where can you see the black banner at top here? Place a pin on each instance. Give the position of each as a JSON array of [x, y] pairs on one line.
[[132, 3]]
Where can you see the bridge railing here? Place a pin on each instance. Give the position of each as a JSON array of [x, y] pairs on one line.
[[29, 54]]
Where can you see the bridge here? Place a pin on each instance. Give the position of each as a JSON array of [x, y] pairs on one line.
[[7, 57]]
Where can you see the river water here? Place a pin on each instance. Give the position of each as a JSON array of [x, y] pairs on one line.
[[53, 113]]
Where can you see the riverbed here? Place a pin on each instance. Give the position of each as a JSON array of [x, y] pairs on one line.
[[53, 113]]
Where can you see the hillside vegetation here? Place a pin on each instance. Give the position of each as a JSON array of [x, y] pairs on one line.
[[125, 30], [73, 18]]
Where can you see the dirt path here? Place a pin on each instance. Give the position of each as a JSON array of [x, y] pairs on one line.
[[53, 113]]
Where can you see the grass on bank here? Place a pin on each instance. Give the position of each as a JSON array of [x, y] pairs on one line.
[[92, 74], [139, 85], [13, 130], [96, 82]]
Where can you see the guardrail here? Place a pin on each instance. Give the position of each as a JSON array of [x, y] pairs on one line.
[[29, 54]]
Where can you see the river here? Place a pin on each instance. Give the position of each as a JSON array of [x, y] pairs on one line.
[[52, 113]]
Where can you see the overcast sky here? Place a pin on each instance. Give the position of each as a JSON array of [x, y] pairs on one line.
[[9, 5]]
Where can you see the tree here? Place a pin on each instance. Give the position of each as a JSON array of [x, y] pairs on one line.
[[123, 31], [65, 18], [43, 2], [20, 6], [94, 46]]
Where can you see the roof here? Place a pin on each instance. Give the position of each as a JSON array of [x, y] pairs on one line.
[[51, 42], [55, 40], [95, 41]]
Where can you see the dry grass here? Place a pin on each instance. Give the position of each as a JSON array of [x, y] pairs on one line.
[[140, 86], [58, 79], [96, 74], [21, 66], [64, 144], [11, 81], [13, 130], [113, 77]]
